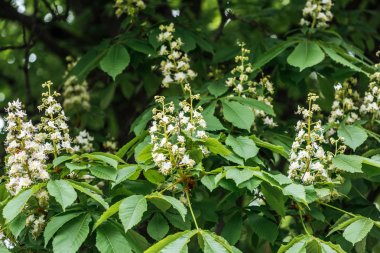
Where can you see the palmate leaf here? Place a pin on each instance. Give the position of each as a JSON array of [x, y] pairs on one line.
[[70, 237], [348, 163], [239, 175], [272, 53], [131, 210], [109, 239]]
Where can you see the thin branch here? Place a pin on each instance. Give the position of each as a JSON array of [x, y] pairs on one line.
[[224, 16], [12, 47]]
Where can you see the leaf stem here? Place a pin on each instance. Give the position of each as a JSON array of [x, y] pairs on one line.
[[303, 224], [191, 209], [336, 208]]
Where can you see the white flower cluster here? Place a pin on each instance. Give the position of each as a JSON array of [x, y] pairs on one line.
[[310, 163], [27, 153], [36, 220], [175, 67], [110, 145], [317, 13], [53, 126], [172, 132], [130, 7], [83, 142], [371, 101], [243, 86], [345, 105], [75, 94]]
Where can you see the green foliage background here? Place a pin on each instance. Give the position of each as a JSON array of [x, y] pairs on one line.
[[118, 58]]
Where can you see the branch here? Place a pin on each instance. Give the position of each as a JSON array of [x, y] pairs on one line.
[[12, 47], [45, 32]]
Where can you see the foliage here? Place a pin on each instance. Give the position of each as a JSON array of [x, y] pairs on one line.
[[255, 128]]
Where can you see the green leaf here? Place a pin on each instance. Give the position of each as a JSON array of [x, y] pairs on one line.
[[297, 192], [274, 198], [349, 163], [131, 210], [109, 239], [71, 236], [125, 148], [263, 227], [272, 53], [15, 205], [113, 161], [125, 173], [212, 122], [232, 228], [108, 213], [60, 159], [239, 175], [140, 46], [90, 193], [357, 230], [214, 243], [306, 54], [254, 104], [137, 242], [176, 204], [104, 172], [296, 245], [339, 59], [216, 147], [115, 61], [62, 191], [239, 115], [158, 227], [275, 148], [17, 224], [353, 136], [211, 181], [172, 243], [243, 146], [3, 249], [144, 155], [89, 61], [154, 176], [217, 88], [73, 167], [55, 223]]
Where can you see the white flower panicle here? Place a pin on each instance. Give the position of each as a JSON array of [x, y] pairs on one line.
[[371, 101], [75, 95], [345, 105], [310, 163], [53, 126], [176, 66], [27, 154], [172, 131], [130, 7], [83, 142], [243, 86], [317, 13]]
